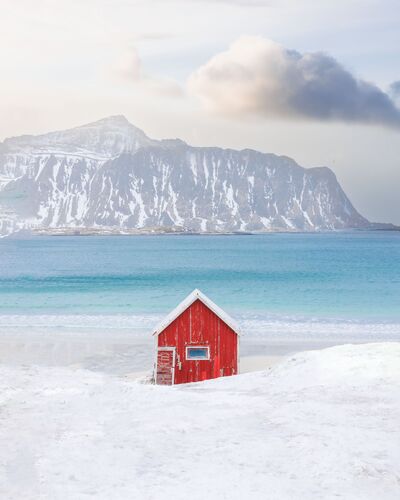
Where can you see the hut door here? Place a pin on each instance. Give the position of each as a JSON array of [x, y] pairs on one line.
[[165, 366]]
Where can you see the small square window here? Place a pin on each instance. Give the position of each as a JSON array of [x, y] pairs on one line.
[[197, 353]]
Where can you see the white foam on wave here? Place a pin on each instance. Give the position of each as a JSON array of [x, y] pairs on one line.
[[80, 321], [332, 328], [253, 325]]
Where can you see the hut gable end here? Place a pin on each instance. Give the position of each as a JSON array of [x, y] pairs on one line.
[[185, 304]]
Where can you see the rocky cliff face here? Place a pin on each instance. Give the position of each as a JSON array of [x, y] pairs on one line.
[[109, 174]]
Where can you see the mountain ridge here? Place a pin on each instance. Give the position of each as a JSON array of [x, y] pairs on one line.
[[109, 175]]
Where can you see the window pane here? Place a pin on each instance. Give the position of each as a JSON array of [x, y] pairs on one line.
[[197, 353]]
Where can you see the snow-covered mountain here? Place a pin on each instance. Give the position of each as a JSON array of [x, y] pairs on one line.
[[109, 174]]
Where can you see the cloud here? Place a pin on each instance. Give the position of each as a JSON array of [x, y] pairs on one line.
[[153, 36], [128, 69], [394, 90], [128, 66], [243, 3], [240, 3], [256, 76]]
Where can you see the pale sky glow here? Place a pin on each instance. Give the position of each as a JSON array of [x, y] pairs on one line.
[[68, 62]]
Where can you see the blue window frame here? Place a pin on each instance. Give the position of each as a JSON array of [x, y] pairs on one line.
[[198, 352]]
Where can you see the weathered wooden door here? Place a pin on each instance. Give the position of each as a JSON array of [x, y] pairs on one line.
[[165, 366]]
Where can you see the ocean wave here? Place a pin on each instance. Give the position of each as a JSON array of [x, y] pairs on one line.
[[254, 325], [333, 328], [81, 321]]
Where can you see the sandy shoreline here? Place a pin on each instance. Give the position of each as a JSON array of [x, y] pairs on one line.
[[126, 355]]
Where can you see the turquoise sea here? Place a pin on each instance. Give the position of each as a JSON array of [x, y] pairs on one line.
[[347, 280]]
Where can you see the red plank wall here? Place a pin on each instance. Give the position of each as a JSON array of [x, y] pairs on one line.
[[198, 325]]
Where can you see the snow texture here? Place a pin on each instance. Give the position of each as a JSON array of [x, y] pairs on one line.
[[320, 425], [109, 174]]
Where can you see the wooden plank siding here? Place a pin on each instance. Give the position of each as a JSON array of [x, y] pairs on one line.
[[200, 326]]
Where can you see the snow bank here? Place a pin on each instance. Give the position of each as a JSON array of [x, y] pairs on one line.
[[323, 424]]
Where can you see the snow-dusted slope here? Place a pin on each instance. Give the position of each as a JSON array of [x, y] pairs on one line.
[[110, 174], [323, 424], [103, 139]]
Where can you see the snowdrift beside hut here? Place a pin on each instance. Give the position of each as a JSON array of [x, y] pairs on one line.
[[322, 424]]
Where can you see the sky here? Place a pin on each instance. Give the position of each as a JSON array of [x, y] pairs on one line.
[[316, 81]]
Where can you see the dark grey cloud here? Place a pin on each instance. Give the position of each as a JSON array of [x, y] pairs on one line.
[[394, 89], [260, 77]]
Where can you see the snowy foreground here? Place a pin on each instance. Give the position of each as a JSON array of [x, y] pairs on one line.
[[322, 424]]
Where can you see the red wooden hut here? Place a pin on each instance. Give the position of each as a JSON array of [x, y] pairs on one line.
[[196, 341]]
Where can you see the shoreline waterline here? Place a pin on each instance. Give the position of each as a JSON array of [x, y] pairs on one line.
[[124, 352]]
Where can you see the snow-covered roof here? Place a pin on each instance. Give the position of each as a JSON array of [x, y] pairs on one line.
[[192, 297]]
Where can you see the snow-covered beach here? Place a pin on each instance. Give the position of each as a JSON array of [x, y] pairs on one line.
[[319, 424], [76, 317]]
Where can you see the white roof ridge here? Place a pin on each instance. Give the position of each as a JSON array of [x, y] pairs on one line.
[[187, 302]]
